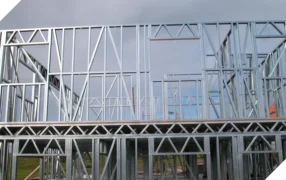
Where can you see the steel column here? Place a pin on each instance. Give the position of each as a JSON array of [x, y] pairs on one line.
[[14, 159], [69, 155]]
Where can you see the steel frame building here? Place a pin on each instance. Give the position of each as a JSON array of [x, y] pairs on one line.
[[83, 101]]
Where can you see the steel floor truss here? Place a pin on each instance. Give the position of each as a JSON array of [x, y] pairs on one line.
[[241, 149], [138, 129]]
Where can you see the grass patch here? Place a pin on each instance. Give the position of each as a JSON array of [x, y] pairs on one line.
[[26, 166]]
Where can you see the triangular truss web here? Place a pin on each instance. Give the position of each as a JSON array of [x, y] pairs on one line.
[[35, 146], [151, 129], [26, 130], [166, 144], [175, 31], [260, 143], [272, 28], [31, 36], [162, 31], [48, 130], [15, 35], [8, 130], [191, 144], [179, 145], [272, 126], [38, 36], [53, 144], [85, 130], [99, 129], [164, 128], [227, 127], [260, 127], [187, 30], [177, 128], [29, 146], [203, 128], [123, 129]]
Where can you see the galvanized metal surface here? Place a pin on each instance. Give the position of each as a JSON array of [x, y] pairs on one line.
[[84, 100]]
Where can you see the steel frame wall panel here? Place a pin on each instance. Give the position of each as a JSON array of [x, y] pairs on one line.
[[126, 120]]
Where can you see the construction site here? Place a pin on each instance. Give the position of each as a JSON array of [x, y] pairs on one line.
[[196, 101]]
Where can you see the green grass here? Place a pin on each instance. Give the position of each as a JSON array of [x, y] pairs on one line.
[[27, 164]]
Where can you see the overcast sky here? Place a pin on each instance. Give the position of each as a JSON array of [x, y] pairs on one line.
[[47, 13]]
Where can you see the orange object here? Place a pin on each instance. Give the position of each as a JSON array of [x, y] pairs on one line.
[[272, 111]]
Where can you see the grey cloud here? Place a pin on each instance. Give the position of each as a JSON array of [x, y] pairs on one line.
[[46, 13]]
